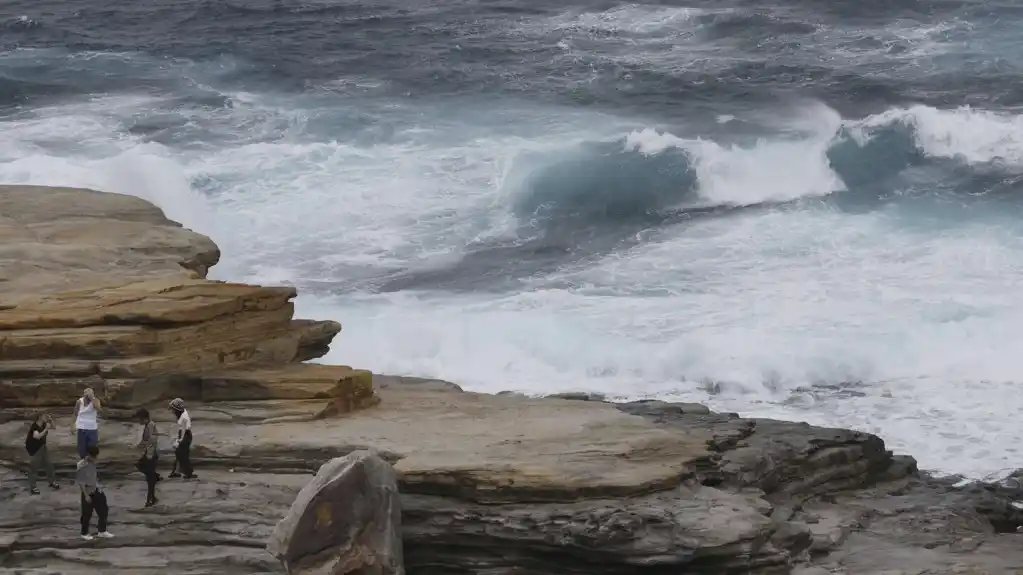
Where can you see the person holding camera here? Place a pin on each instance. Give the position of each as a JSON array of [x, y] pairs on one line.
[[86, 418], [35, 445]]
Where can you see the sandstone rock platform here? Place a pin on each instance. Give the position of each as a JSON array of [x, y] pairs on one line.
[[102, 290], [765, 497]]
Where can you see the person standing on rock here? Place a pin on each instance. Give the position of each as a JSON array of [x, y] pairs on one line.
[[86, 417], [183, 443], [93, 497], [149, 457], [35, 445]]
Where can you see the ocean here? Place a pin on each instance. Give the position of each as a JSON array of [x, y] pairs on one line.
[[800, 209]]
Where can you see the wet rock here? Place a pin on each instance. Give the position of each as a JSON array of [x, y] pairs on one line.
[[656, 408], [579, 396]]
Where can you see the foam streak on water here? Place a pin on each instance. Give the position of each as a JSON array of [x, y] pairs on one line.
[[806, 215]]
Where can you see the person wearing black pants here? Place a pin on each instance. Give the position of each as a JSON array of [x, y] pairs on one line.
[[183, 444], [93, 497], [148, 457]]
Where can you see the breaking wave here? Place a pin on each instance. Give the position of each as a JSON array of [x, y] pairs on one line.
[[647, 175]]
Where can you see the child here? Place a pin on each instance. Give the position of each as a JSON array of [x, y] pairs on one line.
[[148, 456], [183, 444], [92, 494], [35, 445]]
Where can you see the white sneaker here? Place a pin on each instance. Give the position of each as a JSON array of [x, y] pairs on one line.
[[88, 537], [105, 534]]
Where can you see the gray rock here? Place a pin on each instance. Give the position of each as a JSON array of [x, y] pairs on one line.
[[786, 460], [700, 530], [578, 396], [655, 407], [346, 520], [810, 571]]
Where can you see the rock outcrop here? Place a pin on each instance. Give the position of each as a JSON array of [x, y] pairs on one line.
[[101, 290], [489, 484], [347, 520]]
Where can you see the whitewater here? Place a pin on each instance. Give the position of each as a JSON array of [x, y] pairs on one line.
[[626, 199]]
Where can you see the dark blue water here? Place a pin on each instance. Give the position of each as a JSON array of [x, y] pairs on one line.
[[858, 57]]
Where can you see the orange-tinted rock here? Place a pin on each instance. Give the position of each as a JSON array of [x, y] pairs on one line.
[[103, 291]]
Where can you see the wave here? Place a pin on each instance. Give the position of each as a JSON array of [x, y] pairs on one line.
[[649, 175], [578, 203], [966, 134]]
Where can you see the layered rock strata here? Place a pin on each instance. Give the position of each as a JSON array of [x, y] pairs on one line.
[[102, 290], [490, 485]]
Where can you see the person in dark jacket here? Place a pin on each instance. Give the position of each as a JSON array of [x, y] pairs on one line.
[[35, 445], [183, 443], [148, 456]]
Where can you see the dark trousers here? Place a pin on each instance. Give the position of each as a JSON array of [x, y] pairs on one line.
[[41, 461], [183, 455], [99, 503], [147, 465]]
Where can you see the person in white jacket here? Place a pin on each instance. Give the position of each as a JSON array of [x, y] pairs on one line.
[[183, 443]]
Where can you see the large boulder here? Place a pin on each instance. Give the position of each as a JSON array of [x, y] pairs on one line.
[[346, 520]]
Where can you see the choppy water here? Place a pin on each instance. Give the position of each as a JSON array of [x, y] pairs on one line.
[[805, 209]]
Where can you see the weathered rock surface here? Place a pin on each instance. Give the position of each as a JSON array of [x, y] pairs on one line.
[[346, 520], [766, 497], [102, 290], [476, 447]]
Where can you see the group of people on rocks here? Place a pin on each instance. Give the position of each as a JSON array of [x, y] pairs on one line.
[[86, 427]]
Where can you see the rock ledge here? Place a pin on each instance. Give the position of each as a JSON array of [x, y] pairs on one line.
[[103, 291]]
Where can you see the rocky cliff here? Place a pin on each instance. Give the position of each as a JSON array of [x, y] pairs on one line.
[[102, 290]]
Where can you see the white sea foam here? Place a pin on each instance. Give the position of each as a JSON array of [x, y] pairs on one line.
[[736, 176], [969, 134]]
